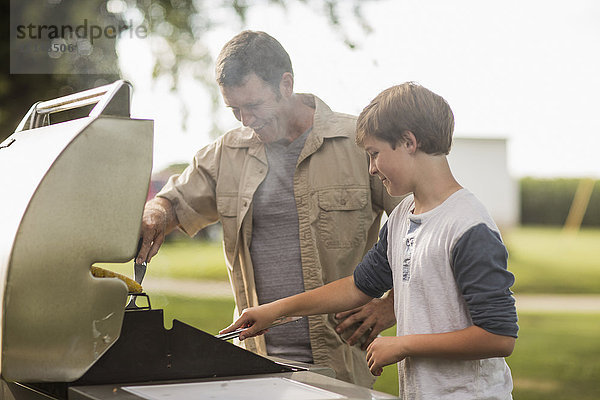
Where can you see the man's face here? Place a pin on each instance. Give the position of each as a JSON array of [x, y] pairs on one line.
[[256, 105]]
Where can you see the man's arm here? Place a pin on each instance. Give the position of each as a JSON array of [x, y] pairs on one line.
[[192, 193], [472, 343], [158, 220], [334, 297], [377, 315], [376, 278]]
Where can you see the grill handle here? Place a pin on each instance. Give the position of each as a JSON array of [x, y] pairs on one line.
[[112, 99]]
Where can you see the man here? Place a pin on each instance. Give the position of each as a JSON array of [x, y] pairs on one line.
[[296, 201]]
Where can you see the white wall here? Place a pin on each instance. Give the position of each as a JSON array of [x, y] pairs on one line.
[[480, 165]]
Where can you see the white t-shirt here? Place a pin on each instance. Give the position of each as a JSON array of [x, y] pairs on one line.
[[428, 300]]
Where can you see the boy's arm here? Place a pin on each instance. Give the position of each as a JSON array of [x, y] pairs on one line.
[[336, 296], [472, 343], [479, 263]]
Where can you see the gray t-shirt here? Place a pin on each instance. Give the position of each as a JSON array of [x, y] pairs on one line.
[[275, 247]]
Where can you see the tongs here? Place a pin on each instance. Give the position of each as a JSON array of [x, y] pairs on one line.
[[139, 270], [236, 333]]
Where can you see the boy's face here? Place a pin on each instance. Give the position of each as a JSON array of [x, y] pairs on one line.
[[392, 166]]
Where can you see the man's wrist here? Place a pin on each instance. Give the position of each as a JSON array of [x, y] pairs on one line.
[[159, 203], [389, 296], [163, 206]]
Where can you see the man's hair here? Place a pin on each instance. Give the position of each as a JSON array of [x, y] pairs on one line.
[[252, 52], [408, 107]]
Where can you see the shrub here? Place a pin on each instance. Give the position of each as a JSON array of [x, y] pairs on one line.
[[548, 201]]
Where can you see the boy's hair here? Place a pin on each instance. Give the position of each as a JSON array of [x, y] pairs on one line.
[[252, 52], [408, 107]]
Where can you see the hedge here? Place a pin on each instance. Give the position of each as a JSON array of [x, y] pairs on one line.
[[547, 201]]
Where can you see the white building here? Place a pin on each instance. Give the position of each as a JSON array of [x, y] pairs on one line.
[[480, 165]]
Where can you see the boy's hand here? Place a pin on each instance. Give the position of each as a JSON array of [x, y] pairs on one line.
[[373, 317], [384, 351], [255, 320]]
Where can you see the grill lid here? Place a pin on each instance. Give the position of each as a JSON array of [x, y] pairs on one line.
[[74, 196]]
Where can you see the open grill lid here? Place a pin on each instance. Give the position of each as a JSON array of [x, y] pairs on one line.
[[73, 195]]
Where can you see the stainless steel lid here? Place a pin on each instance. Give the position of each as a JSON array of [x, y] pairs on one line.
[[73, 195]]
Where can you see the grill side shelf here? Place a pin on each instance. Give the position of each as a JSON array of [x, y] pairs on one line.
[[146, 351]]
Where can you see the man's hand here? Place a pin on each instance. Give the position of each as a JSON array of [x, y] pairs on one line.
[[157, 221], [373, 317]]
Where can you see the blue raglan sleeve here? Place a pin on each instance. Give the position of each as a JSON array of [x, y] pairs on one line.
[[373, 275], [479, 262]]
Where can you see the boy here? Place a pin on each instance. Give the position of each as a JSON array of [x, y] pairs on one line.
[[456, 318]]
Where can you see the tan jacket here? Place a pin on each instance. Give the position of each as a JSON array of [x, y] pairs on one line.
[[339, 208]]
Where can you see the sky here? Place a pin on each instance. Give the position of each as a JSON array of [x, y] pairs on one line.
[[527, 71]]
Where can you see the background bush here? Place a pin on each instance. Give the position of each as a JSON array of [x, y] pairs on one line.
[[547, 201]]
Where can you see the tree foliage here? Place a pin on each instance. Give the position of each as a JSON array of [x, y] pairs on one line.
[[19, 91], [179, 31]]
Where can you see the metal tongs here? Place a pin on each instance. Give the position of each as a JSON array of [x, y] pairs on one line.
[[236, 333], [139, 270]]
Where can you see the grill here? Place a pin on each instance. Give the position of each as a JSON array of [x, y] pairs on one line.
[[74, 193]]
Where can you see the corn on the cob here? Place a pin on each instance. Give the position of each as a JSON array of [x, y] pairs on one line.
[[132, 286]]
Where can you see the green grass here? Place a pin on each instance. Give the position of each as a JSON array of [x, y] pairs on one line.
[[548, 260], [557, 357], [182, 259], [209, 315]]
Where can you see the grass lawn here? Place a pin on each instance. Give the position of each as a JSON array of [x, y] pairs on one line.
[[557, 357], [548, 260], [182, 259], [556, 354]]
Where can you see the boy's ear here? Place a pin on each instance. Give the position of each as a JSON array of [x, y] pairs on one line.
[[410, 141]]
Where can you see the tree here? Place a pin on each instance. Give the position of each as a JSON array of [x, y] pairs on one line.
[[179, 27], [19, 91]]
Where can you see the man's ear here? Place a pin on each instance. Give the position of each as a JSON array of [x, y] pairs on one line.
[[286, 85], [410, 141]]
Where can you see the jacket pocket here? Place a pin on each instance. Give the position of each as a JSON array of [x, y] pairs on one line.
[[227, 207], [342, 217]]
